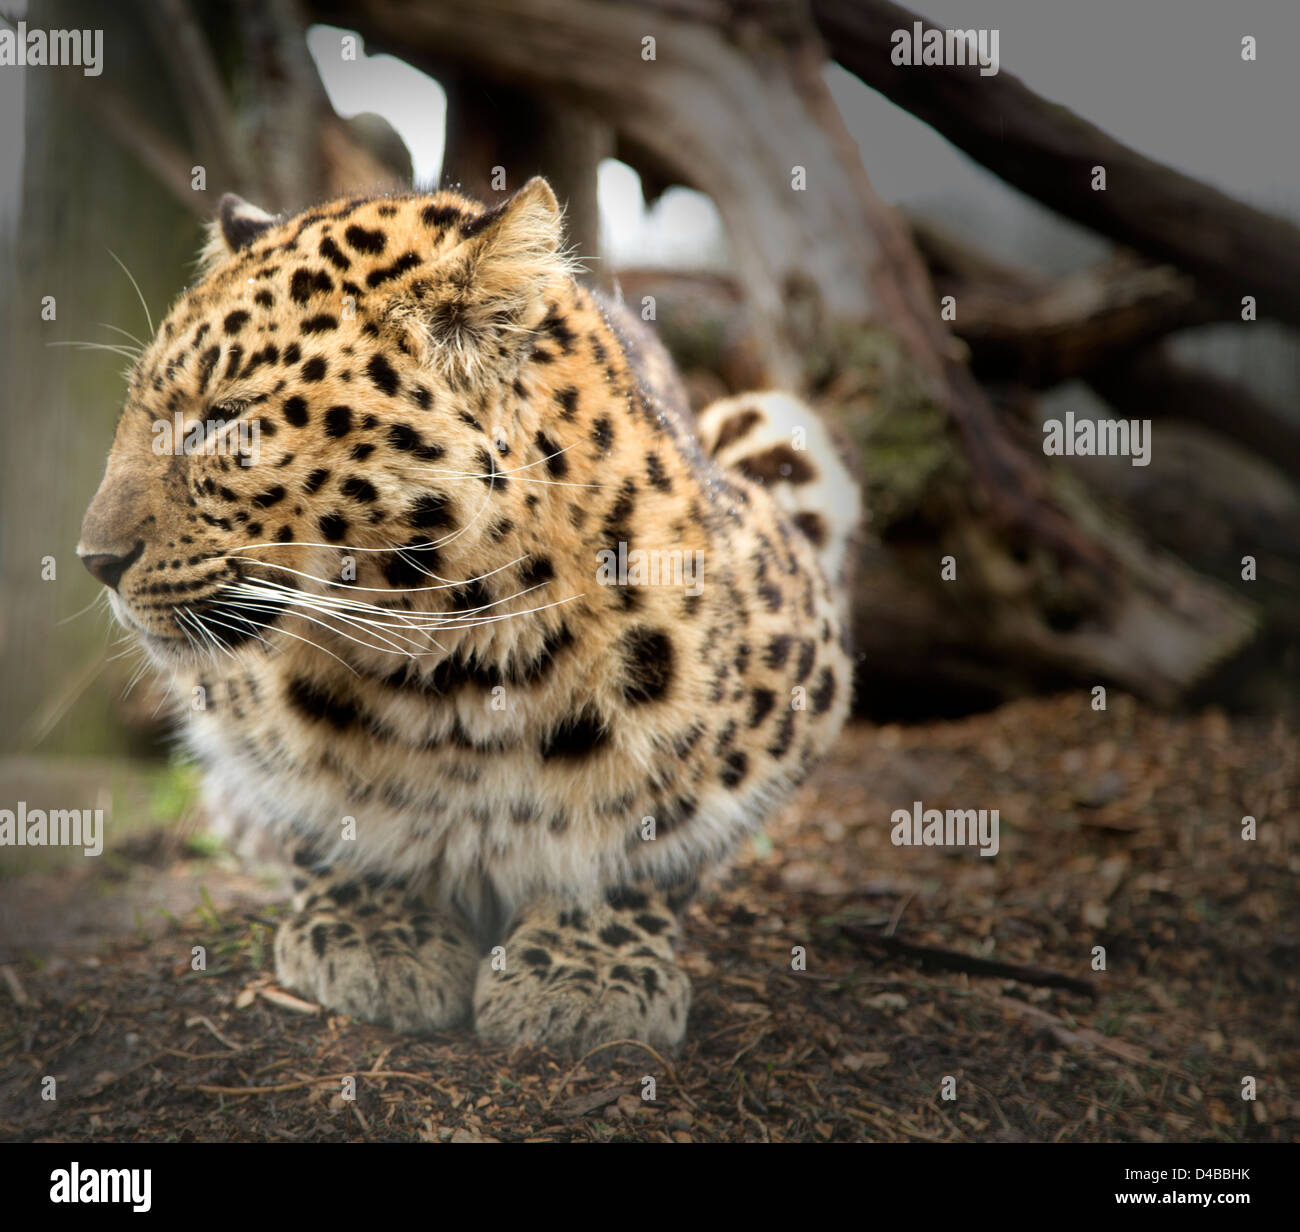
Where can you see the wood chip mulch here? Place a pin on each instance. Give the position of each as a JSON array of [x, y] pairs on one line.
[[927, 971]]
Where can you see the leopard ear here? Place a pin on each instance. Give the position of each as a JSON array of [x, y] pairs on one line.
[[476, 308], [241, 223], [236, 226], [514, 248]]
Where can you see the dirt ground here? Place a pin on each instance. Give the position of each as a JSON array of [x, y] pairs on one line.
[[1120, 829]]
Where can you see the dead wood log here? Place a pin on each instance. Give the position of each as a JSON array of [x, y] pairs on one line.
[[1220, 491], [1152, 384], [841, 305], [1027, 330], [1048, 152], [1030, 330]]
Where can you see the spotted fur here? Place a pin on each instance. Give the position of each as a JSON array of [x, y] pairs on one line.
[[390, 630]]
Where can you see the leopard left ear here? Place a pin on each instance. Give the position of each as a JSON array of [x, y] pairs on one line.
[[241, 223], [235, 227]]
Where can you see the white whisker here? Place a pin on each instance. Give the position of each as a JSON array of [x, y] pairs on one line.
[[279, 603], [117, 329], [103, 592], [277, 608], [98, 346], [206, 632], [550, 483], [136, 285]]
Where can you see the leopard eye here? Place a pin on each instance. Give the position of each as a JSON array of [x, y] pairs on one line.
[[221, 413], [218, 416]]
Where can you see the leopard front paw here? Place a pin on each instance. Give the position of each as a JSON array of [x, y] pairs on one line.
[[574, 979], [379, 957]]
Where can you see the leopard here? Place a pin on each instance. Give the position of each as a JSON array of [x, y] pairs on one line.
[[458, 601]]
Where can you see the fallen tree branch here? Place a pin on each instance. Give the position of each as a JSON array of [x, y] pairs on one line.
[[1045, 150], [954, 960], [619, 1043], [1084, 1039], [1025, 329], [1153, 385], [277, 1088], [1039, 334]]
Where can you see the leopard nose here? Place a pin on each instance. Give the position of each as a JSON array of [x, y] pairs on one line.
[[108, 568]]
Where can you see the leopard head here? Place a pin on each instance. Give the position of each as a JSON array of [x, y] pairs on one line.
[[323, 417]]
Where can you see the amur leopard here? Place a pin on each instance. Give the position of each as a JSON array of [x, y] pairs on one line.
[[462, 604]]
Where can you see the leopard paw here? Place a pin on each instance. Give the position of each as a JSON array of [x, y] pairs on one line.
[[573, 979], [378, 956]]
